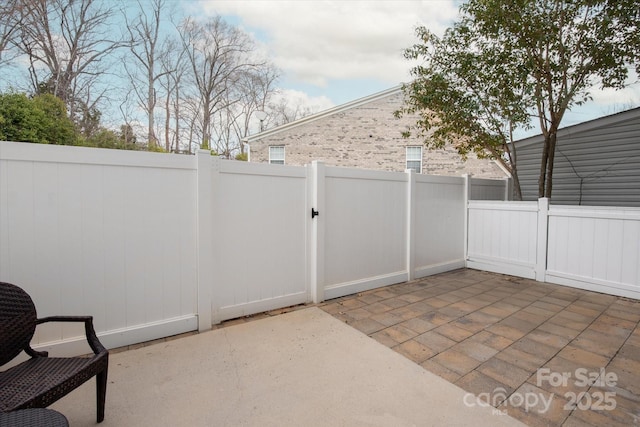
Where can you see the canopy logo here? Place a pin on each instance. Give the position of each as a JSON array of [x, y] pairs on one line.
[[528, 401], [541, 401]]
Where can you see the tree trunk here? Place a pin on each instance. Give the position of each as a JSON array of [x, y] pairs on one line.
[[516, 184], [551, 155], [167, 113], [206, 124], [151, 104], [177, 119], [543, 166]]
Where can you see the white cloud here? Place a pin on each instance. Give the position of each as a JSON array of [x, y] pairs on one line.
[[334, 45], [605, 102], [318, 41], [296, 98], [612, 98]]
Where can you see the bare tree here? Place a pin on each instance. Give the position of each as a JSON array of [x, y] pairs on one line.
[[68, 43], [128, 133], [217, 53], [10, 13], [257, 89], [250, 92], [148, 51], [285, 111], [222, 141], [192, 109], [174, 66]]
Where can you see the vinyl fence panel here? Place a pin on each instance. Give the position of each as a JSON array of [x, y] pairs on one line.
[[595, 248], [489, 189], [365, 234], [260, 232], [100, 232], [439, 224], [503, 237]]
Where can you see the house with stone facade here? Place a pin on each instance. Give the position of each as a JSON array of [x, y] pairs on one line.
[[365, 134]]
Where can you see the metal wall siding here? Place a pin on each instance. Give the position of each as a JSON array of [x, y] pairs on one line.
[[605, 159]]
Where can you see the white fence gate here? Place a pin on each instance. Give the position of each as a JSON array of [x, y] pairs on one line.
[[259, 237]]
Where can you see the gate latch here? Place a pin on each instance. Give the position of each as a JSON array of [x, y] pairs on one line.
[[314, 213]]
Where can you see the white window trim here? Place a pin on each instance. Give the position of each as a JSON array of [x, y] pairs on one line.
[[407, 159], [284, 154]]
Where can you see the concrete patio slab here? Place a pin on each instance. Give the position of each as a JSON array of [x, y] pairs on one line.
[[303, 368]]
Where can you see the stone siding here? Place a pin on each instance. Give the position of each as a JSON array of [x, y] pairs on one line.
[[365, 136]]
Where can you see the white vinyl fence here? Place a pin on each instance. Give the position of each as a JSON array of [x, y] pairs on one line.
[[153, 244], [259, 237], [365, 230], [594, 248], [502, 237], [101, 232]]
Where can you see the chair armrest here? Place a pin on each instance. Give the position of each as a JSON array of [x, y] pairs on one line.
[[90, 333]]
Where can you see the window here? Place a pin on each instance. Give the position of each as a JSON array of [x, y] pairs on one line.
[[276, 155], [414, 158]]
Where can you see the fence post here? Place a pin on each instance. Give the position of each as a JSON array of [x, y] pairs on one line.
[[508, 188], [411, 218], [466, 197], [541, 241], [316, 191], [204, 236]]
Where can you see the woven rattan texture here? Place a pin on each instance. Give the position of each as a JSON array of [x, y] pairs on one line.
[[33, 418], [41, 380], [17, 321]]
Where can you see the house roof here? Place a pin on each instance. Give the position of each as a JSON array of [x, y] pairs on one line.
[[335, 110], [584, 126]]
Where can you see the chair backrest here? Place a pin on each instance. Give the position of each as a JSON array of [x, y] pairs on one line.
[[17, 321]]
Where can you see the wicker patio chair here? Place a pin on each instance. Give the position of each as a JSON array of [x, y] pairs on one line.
[[41, 380], [33, 417]]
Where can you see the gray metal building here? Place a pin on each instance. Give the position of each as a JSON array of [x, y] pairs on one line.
[[597, 163]]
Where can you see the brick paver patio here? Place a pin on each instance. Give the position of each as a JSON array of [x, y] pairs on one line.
[[545, 354]]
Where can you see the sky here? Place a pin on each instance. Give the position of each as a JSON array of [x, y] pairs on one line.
[[333, 52]]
